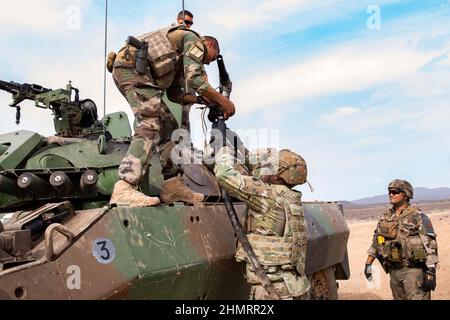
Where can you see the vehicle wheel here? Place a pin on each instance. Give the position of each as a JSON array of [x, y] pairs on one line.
[[323, 285]]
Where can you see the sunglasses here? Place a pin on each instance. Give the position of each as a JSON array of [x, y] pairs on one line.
[[395, 191], [188, 23]]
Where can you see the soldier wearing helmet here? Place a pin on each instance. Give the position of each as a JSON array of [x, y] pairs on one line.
[[405, 244], [276, 225]]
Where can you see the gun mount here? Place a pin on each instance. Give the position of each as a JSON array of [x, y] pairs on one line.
[[73, 118]]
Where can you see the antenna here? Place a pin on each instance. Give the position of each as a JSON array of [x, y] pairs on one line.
[[106, 49], [186, 89]]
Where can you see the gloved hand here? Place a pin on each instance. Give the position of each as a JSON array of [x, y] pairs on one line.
[[429, 283], [368, 272]]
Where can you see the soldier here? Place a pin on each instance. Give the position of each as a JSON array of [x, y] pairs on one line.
[[185, 17], [172, 61], [276, 226], [405, 243]]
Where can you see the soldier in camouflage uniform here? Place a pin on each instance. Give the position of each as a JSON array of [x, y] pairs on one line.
[[173, 61], [186, 18], [276, 225], [405, 243]]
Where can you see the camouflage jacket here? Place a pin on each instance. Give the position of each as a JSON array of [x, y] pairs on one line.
[[191, 69], [184, 68], [277, 210], [405, 240]]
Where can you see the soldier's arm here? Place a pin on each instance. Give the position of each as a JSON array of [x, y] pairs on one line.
[[372, 252], [193, 53], [249, 189], [428, 237], [196, 77]]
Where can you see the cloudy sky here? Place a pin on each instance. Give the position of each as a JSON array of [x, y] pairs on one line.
[[359, 88]]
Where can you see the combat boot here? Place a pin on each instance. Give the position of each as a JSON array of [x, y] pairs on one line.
[[174, 190], [125, 194]]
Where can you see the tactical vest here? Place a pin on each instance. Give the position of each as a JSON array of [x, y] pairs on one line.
[[288, 251], [163, 55], [399, 242]]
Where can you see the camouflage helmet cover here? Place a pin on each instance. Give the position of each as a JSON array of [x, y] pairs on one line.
[[292, 168], [285, 164], [402, 185]]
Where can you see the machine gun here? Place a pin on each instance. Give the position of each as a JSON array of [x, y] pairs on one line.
[[72, 118], [225, 88]]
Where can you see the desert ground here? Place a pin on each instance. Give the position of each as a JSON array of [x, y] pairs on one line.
[[362, 222]]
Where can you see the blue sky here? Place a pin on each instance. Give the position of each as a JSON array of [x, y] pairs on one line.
[[362, 105]]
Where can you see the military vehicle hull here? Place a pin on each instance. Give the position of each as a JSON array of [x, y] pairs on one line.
[[59, 238], [176, 252]]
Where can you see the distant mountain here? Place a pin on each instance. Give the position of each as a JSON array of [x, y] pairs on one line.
[[420, 194]]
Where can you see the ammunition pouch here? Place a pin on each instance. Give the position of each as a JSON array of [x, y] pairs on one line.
[[163, 57], [110, 61], [299, 237], [391, 252], [415, 251], [126, 57], [269, 250], [388, 229]]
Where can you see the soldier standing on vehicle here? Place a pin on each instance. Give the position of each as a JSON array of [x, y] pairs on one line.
[[277, 230], [405, 244], [170, 60]]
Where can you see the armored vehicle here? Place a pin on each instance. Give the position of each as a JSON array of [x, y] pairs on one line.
[[59, 238]]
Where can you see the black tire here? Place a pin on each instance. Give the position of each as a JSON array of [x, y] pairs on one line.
[[323, 285]]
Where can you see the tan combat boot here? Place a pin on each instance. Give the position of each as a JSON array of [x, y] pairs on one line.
[[174, 190], [125, 194]]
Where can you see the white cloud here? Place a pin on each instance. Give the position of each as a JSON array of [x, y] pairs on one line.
[[373, 140], [237, 15], [342, 69], [37, 16]]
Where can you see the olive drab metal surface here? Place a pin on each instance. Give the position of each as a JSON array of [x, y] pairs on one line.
[[59, 239]]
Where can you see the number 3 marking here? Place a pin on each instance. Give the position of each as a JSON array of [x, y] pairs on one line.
[[104, 251]]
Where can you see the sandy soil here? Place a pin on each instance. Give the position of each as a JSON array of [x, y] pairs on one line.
[[358, 288]]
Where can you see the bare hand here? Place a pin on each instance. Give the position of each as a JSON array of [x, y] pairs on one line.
[[228, 109]]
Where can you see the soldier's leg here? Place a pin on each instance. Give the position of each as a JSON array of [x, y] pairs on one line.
[[146, 104], [396, 282], [413, 285], [173, 188]]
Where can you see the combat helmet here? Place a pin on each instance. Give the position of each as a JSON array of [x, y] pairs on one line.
[[285, 164], [402, 185], [292, 168]]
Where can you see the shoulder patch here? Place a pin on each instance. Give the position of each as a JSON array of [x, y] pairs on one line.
[[197, 51], [426, 223]]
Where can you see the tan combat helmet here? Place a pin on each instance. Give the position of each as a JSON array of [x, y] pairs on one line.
[[292, 168], [285, 164], [403, 186]]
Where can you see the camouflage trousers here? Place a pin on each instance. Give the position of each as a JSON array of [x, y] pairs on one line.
[[406, 284], [155, 124]]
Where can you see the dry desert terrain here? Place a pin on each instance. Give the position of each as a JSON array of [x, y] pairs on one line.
[[362, 223]]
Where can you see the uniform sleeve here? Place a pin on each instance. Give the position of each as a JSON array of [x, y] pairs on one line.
[[373, 247], [193, 53], [249, 189], [428, 237]]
